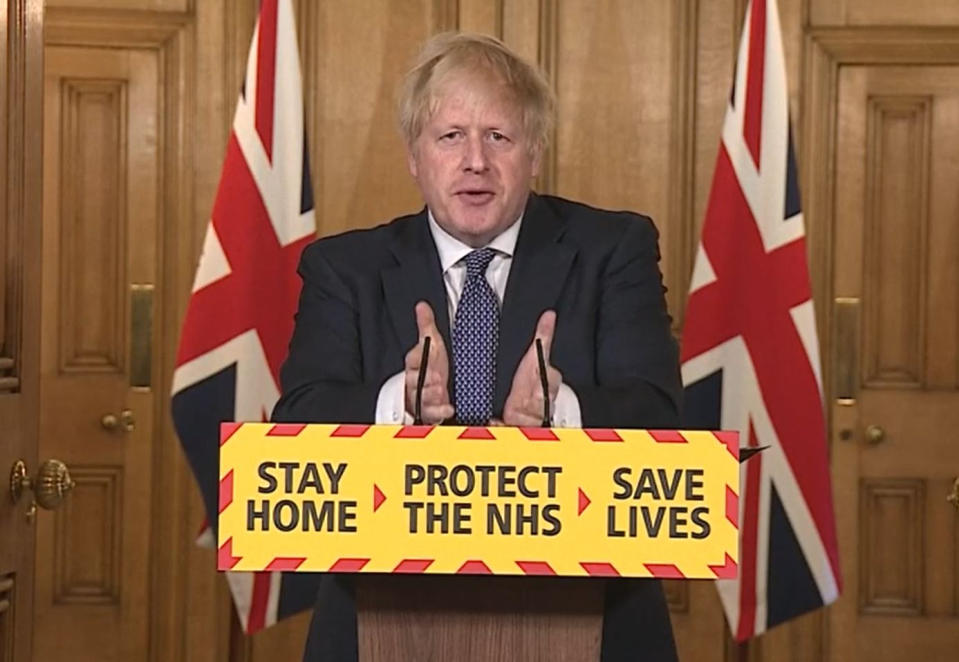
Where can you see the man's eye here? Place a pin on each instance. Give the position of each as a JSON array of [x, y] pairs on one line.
[[496, 137], [450, 135]]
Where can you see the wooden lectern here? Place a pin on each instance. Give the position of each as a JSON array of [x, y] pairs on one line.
[[423, 618]]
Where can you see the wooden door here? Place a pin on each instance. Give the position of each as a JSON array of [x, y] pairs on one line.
[[896, 336], [20, 101], [100, 246]]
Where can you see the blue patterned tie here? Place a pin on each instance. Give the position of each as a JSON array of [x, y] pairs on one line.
[[475, 334]]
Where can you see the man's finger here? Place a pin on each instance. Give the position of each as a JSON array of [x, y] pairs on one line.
[[437, 413], [425, 322], [545, 328], [433, 378], [522, 419]]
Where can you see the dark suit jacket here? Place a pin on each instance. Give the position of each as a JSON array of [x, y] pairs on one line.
[[597, 269]]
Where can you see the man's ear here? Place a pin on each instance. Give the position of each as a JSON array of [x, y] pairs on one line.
[[536, 155], [411, 160]]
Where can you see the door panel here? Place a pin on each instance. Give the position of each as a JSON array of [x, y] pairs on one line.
[[897, 251], [101, 178], [20, 103]]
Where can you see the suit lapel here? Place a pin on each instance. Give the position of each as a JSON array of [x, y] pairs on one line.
[[417, 276], [536, 278]]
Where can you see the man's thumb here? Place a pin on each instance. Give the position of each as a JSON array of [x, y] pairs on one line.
[[425, 322], [544, 331]]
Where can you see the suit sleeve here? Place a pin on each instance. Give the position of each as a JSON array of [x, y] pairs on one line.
[[322, 378], [637, 360]]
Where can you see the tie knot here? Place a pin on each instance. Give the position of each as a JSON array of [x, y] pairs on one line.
[[478, 261]]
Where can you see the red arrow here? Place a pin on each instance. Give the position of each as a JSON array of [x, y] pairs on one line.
[[583, 501], [378, 497]]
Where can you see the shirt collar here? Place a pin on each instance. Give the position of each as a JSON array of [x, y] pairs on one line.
[[451, 250]]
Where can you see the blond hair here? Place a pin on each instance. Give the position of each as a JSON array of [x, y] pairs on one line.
[[449, 54]]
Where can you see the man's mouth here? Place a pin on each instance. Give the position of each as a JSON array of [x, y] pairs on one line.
[[475, 196]]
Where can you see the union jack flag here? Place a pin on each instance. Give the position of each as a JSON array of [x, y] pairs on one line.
[[750, 355], [240, 316]]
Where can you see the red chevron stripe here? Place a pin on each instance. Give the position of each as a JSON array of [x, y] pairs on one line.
[[227, 430], [224, 556], [348, 565], [413, 566], [350, 431], [413, 432], [474, 568], [729, 570], [226, 491], [668, 436], [599, 569], [664, 570], [285, 430], [602, 434], [285, 563], [731, 439], [476, 433], [539, 434], [536, 567], [732, 506]]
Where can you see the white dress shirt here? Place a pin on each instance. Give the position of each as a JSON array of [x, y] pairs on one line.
[[390, 405]]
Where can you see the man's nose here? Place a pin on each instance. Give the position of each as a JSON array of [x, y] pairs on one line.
[[475, 158]]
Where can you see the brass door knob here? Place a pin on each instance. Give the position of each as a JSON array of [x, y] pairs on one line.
[[126, 421], [50, 486], [954, 497], [875, 434]]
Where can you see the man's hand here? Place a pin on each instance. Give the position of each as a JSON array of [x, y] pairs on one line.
[[436, 405], [524, 405]]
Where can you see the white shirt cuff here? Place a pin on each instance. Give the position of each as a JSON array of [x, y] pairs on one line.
[[390, 405], [566, 413]]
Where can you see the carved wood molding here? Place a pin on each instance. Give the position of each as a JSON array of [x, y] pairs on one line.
[[103, 27], [826, 51]]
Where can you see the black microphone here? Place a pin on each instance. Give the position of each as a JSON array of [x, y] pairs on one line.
[[547, 422], [420, 380]]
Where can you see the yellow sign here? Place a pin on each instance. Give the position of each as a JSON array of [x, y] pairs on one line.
[[499, 500]]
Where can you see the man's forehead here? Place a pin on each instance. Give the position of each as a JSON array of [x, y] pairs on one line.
[[467, 92]]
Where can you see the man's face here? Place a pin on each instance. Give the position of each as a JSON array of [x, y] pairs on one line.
[[473, 161]]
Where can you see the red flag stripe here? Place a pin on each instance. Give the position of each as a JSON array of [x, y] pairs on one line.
[[752, 129], [266, 75]]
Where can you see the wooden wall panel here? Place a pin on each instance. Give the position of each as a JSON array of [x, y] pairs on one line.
[[616, 104], [92, 231], [87, 541], [897, 158], [884, 12], [891, 546], [156, 5], [358, 159]]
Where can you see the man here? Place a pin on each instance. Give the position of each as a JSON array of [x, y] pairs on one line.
[[483, 271]]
